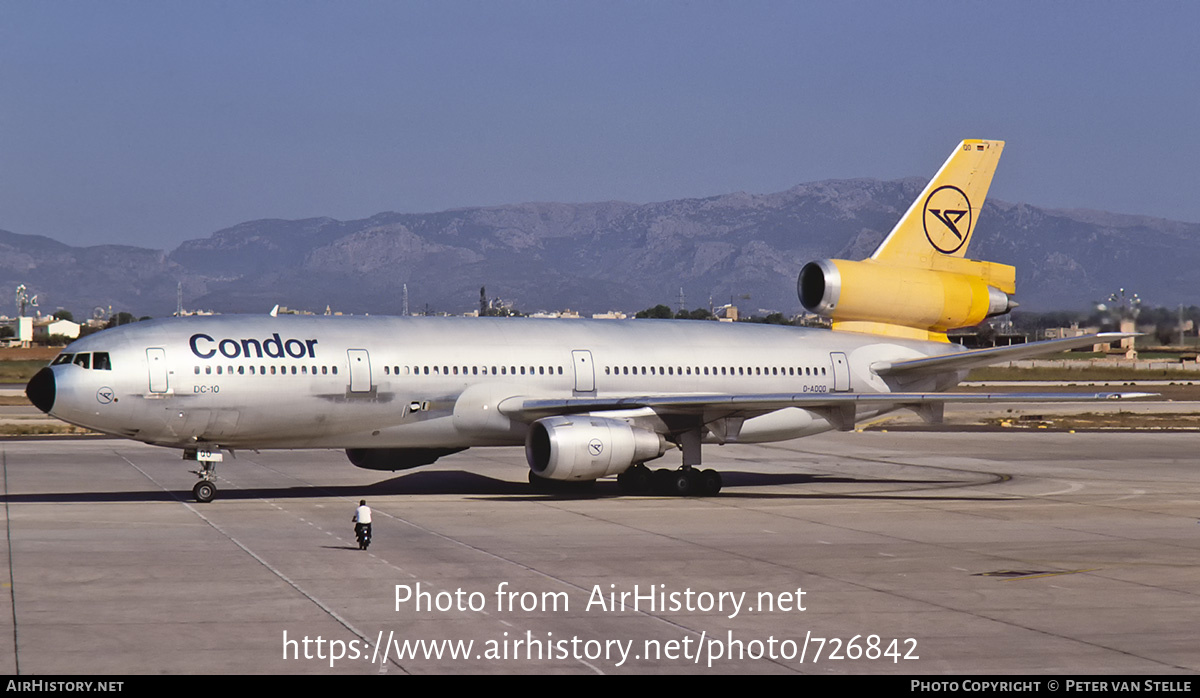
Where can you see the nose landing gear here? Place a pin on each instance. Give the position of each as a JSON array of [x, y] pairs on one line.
[[205, 490]]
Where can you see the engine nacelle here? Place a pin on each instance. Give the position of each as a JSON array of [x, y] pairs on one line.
[[930, 299], [582, 447], [396, 458]]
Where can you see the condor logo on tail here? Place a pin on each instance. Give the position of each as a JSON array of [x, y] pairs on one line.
[[945, 211]]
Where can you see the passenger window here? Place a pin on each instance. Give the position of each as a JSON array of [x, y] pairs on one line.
[[334, 370], [387, 370], [272, 370], [304, 370], [241, 370], [83, 360], [208, 370], [197, 370]]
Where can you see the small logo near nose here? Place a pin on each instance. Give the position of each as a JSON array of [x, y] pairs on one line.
[[105, 395]]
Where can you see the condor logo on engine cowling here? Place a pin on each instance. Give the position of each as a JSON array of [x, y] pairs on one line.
[[947, 219]]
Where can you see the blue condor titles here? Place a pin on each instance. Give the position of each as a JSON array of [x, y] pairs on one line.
[[205, 347]]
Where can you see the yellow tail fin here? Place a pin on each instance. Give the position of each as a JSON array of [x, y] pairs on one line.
[[940, 222], [919, 283]]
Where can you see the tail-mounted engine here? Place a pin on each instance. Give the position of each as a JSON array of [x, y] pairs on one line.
[[586, 448], [959, 294]]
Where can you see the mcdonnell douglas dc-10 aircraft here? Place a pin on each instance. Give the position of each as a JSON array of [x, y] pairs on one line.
[[588, 399]]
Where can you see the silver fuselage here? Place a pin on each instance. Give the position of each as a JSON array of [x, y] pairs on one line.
[[241, 381]]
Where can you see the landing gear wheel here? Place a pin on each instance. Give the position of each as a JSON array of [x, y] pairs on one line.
[[685, 483], [204, 491], [635, 480], [660, 481], [710, 482]]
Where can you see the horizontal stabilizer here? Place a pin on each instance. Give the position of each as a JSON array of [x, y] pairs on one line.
[[975, 358]]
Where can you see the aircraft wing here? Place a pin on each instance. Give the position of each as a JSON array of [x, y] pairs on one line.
[[975, 358], [718, 406]]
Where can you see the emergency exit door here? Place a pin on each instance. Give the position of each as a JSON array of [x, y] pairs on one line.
[[156, 363], [585, 375], [841, 372], [360, 370]]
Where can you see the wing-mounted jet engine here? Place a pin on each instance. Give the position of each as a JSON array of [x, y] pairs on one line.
[[584, 447]]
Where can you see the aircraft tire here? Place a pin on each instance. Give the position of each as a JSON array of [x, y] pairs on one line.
[[685, 483], [710, 483], [661, 482], [205, 491], [635, 480]]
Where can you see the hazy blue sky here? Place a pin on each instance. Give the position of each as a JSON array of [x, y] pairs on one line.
[[149, 123]]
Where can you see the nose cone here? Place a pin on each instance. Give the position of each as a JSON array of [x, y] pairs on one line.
[[41, 390]]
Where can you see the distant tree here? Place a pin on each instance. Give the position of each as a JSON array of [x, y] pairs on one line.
[[58, 340], [697, 314], [121, 318], [144, 318], [772, 319], [658, 312], [64, 315]]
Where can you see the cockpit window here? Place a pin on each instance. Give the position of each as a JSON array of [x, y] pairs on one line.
[[100, 361], [84, 360], [62, 359]]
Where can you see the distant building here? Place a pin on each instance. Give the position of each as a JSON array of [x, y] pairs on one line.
[[610, 315], [65, 328]]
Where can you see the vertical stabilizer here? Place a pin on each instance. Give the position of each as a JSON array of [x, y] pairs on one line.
[[940, 222]]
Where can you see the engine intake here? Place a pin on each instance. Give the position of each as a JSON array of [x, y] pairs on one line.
[[583, 447]]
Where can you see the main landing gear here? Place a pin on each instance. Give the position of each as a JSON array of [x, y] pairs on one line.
[[687, 481], [684, 482], [205, 490]]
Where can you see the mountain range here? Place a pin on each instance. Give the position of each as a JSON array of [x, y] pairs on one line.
[[595, 257]]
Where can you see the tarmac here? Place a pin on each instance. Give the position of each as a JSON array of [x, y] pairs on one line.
[[1023, 553]]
